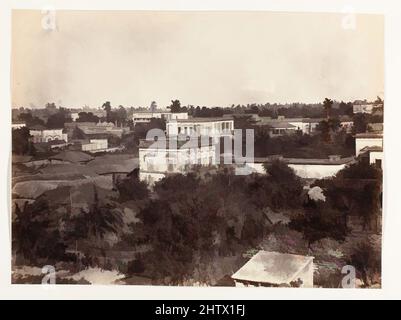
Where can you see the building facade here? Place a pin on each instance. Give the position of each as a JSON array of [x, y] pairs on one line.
[[41, 134], [95, 145], [157, 159], [212, 127], [363, 140], [146, 116]]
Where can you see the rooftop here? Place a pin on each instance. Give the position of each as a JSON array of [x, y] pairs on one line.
[[72, 156], [154, 111], [272, 268], [373, 149], [56, 142], [369, 135], [325, 161], [113, 163], [169, 144], [20, 158], [281, 125], [37, 127], [199, 119]]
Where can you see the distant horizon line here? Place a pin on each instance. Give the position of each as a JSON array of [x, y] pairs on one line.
[[201, 106]]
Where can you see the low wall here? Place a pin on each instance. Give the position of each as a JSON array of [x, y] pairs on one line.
[[306, 171]]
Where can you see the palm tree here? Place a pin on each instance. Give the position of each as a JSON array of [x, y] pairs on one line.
[[98, 220], [328, 104], [107, 107]]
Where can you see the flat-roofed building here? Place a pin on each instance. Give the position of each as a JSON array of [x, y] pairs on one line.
[[274, 269], [212, 127], [147, 115], [162, 157], [41, 134], [95, 145], [370, 139], [306, 168]]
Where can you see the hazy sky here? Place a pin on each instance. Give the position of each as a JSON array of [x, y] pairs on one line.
[[204, 58]]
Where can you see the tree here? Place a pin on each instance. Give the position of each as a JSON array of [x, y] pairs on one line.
[[279, 188], [121, 115], [30, 120], [51, 106], [131, 188], [87, 117], [328, 128], [175, 106], [36, 233], [58, 119], [107, 107], [77, 133], [191, 219], [366, 260], [346, 108], [378, 100], [328, 105], [318, 222], [21, 143], [100, 219], [360, 123]]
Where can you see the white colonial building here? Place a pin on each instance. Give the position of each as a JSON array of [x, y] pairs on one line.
[[212, 127], [162, 157], [17, 125], [363, 140], [95, 145], [146, 116], [306, 168], [41, 134], [371, 145]]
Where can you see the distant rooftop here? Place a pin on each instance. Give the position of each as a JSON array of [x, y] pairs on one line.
[[372, 149], [369, 135], [326, 161], [72, 156], [272, 268], [37, 127], [154, 111], [56, 142], [199, 119], [280, 125], [169, 144]]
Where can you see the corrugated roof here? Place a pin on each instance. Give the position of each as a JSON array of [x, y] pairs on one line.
[[72, 156]]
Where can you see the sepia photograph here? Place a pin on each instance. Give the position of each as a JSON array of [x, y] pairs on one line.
[[197, 148]]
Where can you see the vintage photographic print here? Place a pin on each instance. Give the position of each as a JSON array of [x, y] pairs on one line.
[[197, 148]]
